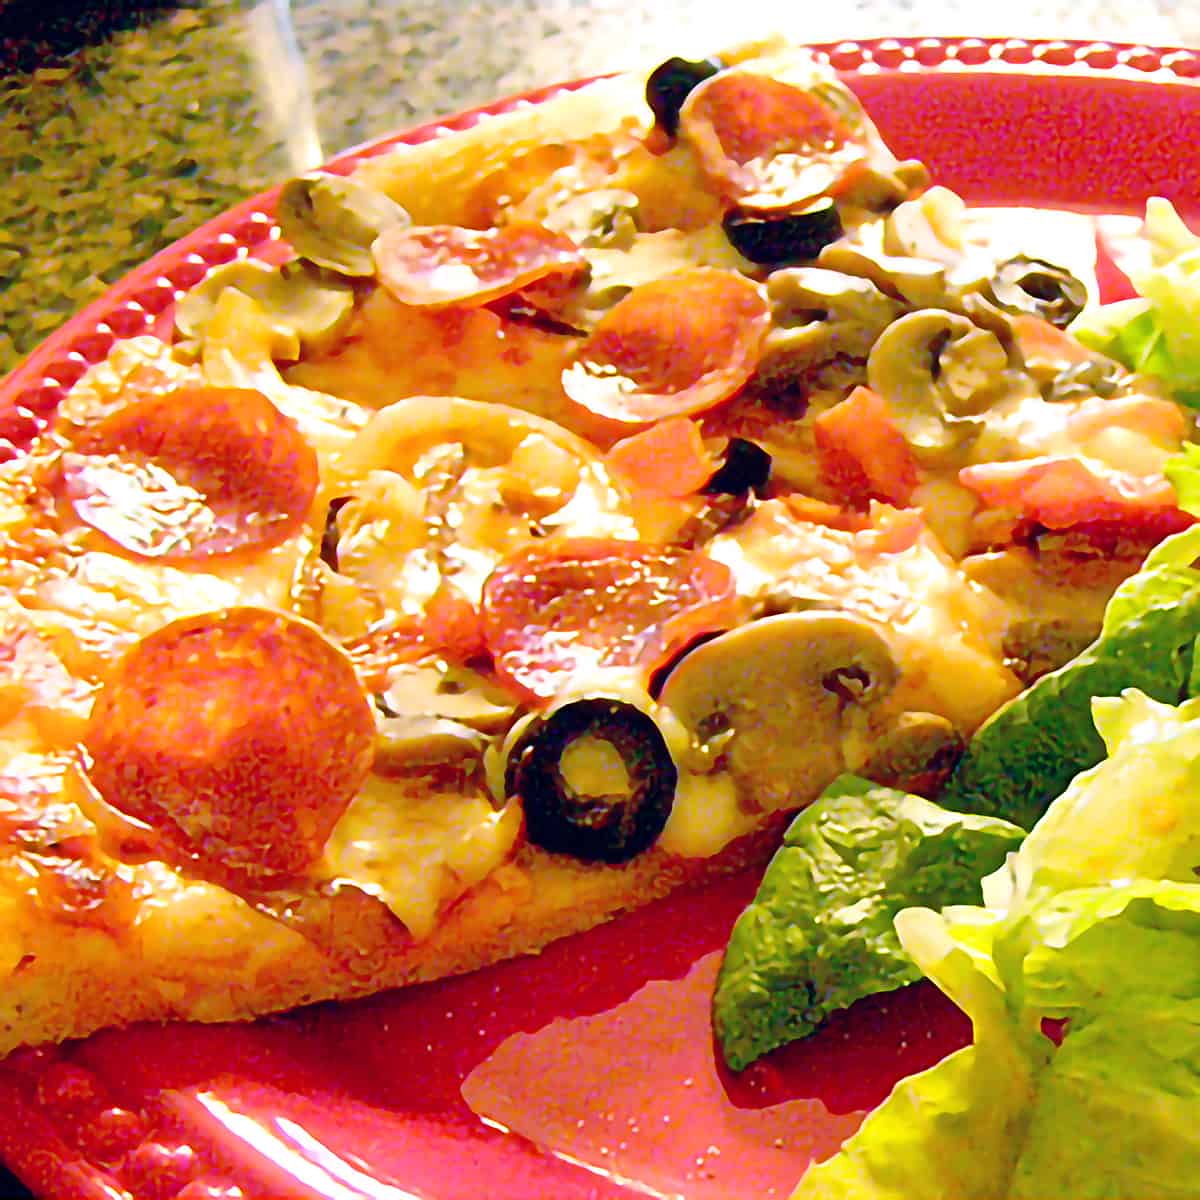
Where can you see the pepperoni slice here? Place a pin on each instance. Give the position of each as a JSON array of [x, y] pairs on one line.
[[1060, 493], [672, 347], [433, 265], [187, 475], [766, 144], [558, 609], [240, 736]]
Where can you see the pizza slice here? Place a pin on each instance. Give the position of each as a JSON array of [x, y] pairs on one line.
[[588, 489]]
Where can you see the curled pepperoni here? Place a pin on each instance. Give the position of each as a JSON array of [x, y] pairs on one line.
[[187, 475], [555, 610], [433, 265], [766, 144], [672, 347], [239, 736]]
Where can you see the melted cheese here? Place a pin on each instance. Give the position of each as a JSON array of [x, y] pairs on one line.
[[418, 849], [945, 630], [140, 596]]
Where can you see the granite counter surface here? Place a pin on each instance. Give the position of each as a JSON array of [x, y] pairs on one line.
[[126, 123]]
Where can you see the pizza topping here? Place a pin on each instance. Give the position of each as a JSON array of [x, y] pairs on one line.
[[1038, 288], [567, 607], [938, 372], [239, 736], [746, 468], [775, 240], [305, 309], [768, 144], [187, 475], [1061, 492], [917, 753], [668, 459], [442, 689], [863, 453], [769, 700], [595, 778], [429, 744], [435, 265], [673, 347], [670, 84], [332, 220]]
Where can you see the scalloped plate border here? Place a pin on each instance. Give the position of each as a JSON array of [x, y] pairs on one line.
[[140, 302]]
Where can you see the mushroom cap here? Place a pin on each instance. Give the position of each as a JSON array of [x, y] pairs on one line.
[[307, 309], [332, 220], [937, 370], [769, 700]]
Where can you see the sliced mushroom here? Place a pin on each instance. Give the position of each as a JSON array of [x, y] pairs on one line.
[[409, 743], [929, 227], [770, 700], [916, 281], [937, 370], [818, 317], [435, 688], [916, 752], [605, 217], [307, 309], [332, 220]]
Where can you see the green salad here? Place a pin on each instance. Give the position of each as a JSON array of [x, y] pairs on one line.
[[1074, 950]]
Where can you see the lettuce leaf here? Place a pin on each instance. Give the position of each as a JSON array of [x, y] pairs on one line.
[[1095, 922], [1159, 334], [1027, 752], [819, 934]]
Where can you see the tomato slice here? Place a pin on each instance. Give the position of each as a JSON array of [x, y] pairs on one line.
[[1060, 493], [187, 475], [672, 347], [766, 144], [435, 265], [668, 459], [557, 609], [863, 454]]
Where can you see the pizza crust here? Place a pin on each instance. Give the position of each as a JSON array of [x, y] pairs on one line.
[[200, 954]]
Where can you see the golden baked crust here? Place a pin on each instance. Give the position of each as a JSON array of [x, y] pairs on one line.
[[214, 959]]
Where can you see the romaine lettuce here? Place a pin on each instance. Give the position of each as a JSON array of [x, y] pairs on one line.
[[1159, 334], [819, 934], [1094, 922]]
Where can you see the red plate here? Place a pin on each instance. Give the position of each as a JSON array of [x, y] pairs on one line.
[[588, 1071]]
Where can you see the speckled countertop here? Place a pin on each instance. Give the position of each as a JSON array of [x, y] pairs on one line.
[[125, 123]]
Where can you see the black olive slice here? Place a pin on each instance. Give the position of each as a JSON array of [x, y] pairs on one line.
[[670, 85], [772, 241], [563, 817], [747, 467], [329, 536], [1035, 287]]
